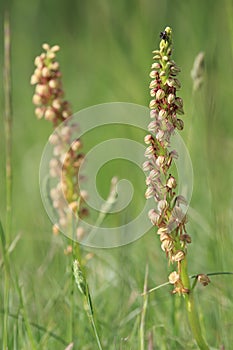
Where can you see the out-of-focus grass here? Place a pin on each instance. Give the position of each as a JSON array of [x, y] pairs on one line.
[[105, 56]]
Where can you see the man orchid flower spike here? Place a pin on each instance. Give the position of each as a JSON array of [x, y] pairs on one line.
[[168, 216], [165, 106], [67, 157]]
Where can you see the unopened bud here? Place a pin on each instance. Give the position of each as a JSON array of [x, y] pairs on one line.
[[152, 92], [156, 66], [160, 94], [39, 112], [148, 139], [146, 166], [153, 84], [171, 98], [53, 83], [36, 99], [56, 103], [157, 57], [34, 79], [46, 46], [162, 73], [149, 151], [157, 52], [42, 89], [162, 113], [46, 72], [152, 127], [49, 114], [152, 104], [153, 114], [153, 74], [55, 48], [54, 66]]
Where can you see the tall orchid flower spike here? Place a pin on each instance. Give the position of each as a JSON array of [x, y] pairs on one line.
[[51, 105], [166, 107]]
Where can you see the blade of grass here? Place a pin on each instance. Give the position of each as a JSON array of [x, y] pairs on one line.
[[33, 345], [8, 123], [81, 281], [143, 313], [38, 327], [8, 137]]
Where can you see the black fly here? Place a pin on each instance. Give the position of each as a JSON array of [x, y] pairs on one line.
[[164, 36]]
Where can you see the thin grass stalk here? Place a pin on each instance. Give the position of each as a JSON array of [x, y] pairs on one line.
[[6, 288], [81, 281], [92, 320], [8, 123], [37, 327], [72, 313], [229, 13], [33, 345], [15, 345], [143, 313], [8, 142], [75, 255], [107, 206]]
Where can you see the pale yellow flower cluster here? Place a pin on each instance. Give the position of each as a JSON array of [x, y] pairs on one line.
[[48, 98]]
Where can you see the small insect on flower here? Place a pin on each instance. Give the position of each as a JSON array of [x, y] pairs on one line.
[[164, 36]]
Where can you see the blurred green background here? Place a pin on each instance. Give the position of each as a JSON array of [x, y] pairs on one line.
[[105, 57]]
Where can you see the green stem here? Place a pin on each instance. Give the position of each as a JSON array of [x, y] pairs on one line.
[[92, 320], [72, 318], [75, 255], [6, 309], [96, 334], [8, 123], [8, 138], [32, 342], [143, 313], [191, 309], [81, 281]]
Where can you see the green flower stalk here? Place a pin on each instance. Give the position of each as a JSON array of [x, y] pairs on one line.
[[165, 111]]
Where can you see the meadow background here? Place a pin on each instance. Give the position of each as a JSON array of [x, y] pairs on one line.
[[105, 57]]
